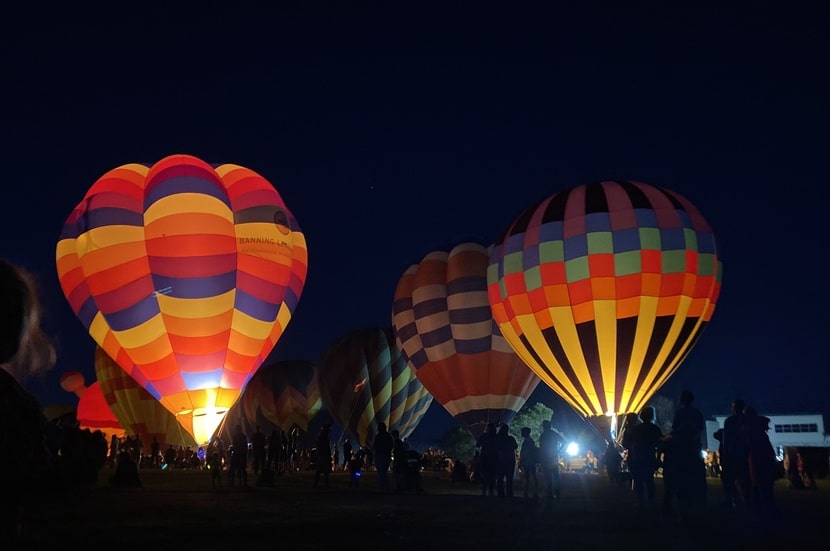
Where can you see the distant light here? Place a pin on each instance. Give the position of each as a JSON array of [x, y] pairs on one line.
[[572, 449]]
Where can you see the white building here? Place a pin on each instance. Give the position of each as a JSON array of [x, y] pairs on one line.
[[799, 430]]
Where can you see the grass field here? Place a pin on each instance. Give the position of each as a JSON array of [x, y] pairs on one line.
[[181, 510]]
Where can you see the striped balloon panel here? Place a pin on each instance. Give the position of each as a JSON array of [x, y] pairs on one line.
[[445, 329], [604, 289], [137, 411], [185, 274], [364, 380]]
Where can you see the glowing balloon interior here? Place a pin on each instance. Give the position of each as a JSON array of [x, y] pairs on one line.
[[604, 289], [138, 412], [186, 275]]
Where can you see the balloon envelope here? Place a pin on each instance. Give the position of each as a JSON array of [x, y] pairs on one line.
[[187, 275], [443, 325], [604, 289], [73, 381], [94, 413], [364, 380], [137, 411], [284, 395]]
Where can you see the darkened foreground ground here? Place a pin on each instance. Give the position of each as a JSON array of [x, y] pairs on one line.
[[181, 511]]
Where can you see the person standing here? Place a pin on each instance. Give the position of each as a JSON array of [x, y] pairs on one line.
[[155, 453], [528, 459], [399, 461], [488, 459], [239, 458], [347, 453], [550, 443], [506, 449], [322, 467], [762, 464], [382, 447], [642, 440], [258, 447], [734, 457], [684, 473], [272, 462]]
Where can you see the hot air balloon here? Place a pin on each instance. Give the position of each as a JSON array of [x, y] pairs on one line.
[[284, 395], [94, 413], [137, 411], [443, 325], [604, 289], [73, 381], [364, 380], [186, 275]]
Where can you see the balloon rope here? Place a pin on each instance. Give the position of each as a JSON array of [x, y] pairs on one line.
[[221, 426], [349, 419]]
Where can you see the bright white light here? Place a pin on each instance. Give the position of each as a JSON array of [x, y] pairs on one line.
[[205, 421], [572, 449]]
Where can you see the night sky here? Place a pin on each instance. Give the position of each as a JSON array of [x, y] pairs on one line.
[[394, 132]]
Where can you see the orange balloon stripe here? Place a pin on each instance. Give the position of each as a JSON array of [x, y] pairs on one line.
[[117, 264], [199, 346], [205, 326]]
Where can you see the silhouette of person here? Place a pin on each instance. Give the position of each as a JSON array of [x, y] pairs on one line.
[[631, 421], [474, 466], [239, 458], [274, 450], [763, 466], [399, 461], [23, 348], [642, 440], [169, 456], [355, 467], [550, 442], [126, 472], [528, 459], [506, 447], [215, 465], [488, 459], [322, 467], [382, 446], [734, 457], [612, 461], [684, 473], [155, 449], [347, 453], [259, 444]]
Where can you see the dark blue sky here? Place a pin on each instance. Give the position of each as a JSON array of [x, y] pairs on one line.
[[394, 132]]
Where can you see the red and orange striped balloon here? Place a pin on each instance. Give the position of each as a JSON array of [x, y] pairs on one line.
[[445, 330], [186, 274]]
